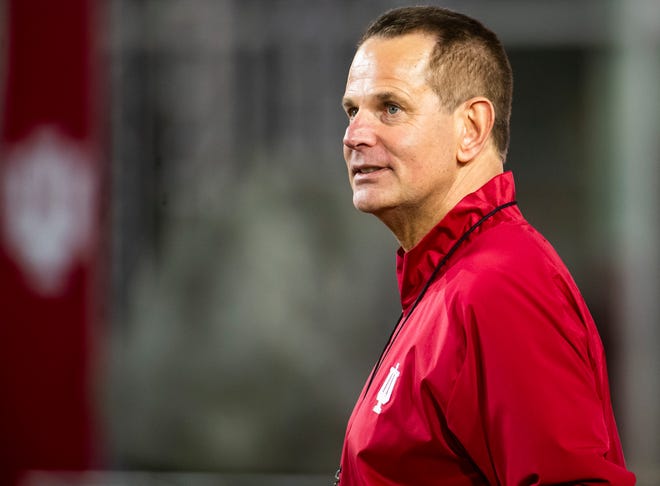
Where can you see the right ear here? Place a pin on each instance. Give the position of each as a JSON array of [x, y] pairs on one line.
[[477, 117]]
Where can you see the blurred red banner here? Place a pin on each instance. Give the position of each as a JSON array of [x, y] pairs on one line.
[[50, 182]]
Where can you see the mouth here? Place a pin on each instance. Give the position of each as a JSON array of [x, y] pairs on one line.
[[366, 170]]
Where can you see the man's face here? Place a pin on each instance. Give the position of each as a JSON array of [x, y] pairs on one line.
[[400, 144]]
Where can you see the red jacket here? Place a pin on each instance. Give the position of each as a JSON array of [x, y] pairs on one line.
[[497, 376]]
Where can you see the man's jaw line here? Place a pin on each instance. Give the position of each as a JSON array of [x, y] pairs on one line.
[[402, 221]]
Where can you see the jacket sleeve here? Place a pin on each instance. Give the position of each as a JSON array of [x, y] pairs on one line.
[[528, 405]]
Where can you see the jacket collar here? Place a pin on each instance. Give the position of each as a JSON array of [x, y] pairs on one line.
[[413, 268]]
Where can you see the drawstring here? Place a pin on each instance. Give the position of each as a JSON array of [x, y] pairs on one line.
[[399, 324], [452, 250]]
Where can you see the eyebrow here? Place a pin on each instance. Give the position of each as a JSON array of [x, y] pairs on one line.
[[347, 102], [388, 96], [383, 97]]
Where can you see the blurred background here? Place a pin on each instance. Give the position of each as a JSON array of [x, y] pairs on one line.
[[187, 295]]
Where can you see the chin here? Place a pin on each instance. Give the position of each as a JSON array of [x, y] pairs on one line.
[[368, 205], [365, 208]]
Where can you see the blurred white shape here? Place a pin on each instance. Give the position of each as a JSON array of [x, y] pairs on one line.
[[48, 189]]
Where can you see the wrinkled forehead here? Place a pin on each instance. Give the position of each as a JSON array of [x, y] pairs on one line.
[[398, 59]]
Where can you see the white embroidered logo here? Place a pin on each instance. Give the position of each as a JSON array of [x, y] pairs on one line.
[[385, 392]]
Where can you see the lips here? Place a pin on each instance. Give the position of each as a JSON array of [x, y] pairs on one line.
[[366, 169]]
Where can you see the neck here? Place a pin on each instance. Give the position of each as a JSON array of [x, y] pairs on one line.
[[411, 224]]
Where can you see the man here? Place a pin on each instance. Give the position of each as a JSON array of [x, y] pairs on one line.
[[495, 373]]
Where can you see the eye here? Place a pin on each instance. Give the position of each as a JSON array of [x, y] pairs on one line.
[[392, 109], [351, 112]]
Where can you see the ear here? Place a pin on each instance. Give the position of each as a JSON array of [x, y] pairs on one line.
[[476, 118]]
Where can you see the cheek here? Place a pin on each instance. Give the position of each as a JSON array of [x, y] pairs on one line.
[[437, 146], [401, 145], [347, 154], [347, 160]]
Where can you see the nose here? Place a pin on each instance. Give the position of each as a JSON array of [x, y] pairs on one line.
[[360, 132]]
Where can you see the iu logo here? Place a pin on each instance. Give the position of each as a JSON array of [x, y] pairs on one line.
[[385, 392], [47, 192]]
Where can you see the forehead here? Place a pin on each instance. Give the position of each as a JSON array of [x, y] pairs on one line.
[[401, 60]]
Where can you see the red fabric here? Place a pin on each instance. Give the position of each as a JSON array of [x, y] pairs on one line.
[[49, 167], [502, 372]]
